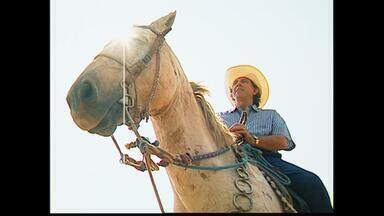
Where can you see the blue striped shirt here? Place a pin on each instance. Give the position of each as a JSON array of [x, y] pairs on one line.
[[260, 122]]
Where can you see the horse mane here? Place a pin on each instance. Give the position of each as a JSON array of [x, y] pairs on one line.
[[219, 130]]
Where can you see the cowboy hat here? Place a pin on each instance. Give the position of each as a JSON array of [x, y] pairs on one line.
[[251, 73]]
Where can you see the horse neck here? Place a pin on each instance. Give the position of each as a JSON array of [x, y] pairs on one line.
[[182, 126]]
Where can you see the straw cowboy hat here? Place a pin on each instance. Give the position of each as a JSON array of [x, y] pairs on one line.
[[251, 73]]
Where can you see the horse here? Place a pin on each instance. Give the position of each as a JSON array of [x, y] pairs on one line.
[[156, 87]]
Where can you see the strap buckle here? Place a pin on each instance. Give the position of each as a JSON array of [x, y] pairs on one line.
[[129, 98]]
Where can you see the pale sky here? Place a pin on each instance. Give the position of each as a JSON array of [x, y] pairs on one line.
[[291, 42]]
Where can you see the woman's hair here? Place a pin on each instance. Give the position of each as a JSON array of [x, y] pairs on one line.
[[256, 98]]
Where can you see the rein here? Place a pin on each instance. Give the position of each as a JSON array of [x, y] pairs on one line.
[[147, 148]]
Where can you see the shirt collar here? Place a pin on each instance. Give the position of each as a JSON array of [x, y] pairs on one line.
[[253, 106]]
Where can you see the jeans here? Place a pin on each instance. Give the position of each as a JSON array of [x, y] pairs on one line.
[[305, 183]]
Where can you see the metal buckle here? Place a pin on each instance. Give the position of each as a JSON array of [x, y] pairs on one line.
[[129, 98], [129, 101]]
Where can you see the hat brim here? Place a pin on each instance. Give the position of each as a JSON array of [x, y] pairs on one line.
[[251, 73]]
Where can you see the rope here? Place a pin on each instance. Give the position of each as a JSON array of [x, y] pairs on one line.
[[146, 156], [258, 159], [139, 66], [124, 84], [117, 146], [214, 168], [278, 180], [133, 126], [211, 154]]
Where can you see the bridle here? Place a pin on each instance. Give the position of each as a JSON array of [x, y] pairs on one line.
[[129, 101]]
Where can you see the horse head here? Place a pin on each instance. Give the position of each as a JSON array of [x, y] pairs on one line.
[[96, 98]]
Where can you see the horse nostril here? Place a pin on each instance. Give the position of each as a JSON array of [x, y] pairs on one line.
[[87, 91]]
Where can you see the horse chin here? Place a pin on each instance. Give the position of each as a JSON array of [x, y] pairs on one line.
[[107, 126], [103, 131]]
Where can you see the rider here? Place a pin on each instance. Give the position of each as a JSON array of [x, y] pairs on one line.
[[248, 91]]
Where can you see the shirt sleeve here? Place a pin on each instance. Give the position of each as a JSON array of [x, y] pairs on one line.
[[279, 127]]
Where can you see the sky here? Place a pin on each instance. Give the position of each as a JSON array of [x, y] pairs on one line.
[[291, 42]]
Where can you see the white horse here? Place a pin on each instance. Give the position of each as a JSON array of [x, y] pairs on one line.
[[183, 121]]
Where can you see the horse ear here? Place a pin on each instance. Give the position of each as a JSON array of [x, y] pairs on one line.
[[164, 24]]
